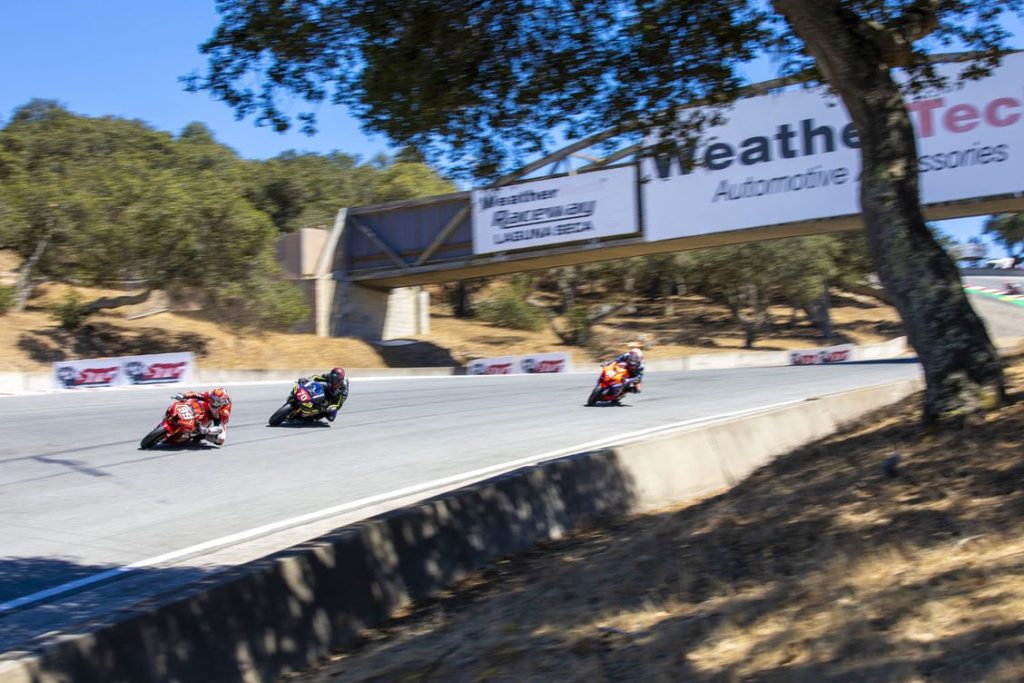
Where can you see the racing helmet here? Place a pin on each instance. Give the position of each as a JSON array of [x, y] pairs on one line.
[[219, 398], [336, 376], [634, 357]]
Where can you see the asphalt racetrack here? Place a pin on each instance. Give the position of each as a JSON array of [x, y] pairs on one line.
[[80, 503]]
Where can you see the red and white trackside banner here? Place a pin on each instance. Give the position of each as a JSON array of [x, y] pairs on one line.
[[158, 368], [831, 354], [535, 363]]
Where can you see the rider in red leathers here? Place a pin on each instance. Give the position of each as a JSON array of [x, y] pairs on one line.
[[218, 409]]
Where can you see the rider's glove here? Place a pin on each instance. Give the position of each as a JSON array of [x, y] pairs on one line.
[[303, 380], [178, 397]]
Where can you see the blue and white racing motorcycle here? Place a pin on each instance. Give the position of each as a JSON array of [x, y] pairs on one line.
[[307, 402]]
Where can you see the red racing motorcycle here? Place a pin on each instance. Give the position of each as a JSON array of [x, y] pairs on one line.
[[186, 421]]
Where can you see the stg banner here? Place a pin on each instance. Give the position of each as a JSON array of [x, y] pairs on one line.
[[832, 354], [555, 210], [162, 368], [536, 363], [795, 156]]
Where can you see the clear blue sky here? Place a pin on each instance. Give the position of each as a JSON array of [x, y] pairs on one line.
[[124, 58]]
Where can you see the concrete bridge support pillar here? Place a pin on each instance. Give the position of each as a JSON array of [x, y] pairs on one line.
[[377, 314]]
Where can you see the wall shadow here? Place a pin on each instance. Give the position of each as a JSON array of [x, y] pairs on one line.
[[283, 613], [416, 354]]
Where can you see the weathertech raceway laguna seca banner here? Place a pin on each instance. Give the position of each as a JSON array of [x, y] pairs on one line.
[[161, 368], [554, 210], [794, 156], [536, 363]]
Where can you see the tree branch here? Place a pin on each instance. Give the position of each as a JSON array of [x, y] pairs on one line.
[[895, 41]]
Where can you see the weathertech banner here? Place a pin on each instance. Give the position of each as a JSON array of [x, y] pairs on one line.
[[832, 354], [162, 368], [536, 363], [795, 156], [555, 210]]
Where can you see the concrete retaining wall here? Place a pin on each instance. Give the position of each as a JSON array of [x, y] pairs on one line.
[[284, 612]]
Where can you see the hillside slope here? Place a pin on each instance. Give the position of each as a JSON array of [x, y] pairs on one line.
[[31, 340]]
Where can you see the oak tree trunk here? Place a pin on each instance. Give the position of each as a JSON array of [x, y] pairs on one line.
[[961, 367], [23, 287]]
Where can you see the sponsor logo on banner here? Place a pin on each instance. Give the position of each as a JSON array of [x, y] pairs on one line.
[[545, 362], [795, 156], [137, 372], [493, 366], [164, 368], [509, 365], [555, 210], [832, 354], [80, 375]]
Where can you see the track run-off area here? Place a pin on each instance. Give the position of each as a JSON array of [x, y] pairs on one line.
[[90, 523]]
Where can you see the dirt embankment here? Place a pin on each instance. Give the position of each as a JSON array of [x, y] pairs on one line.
[[31, 340], [883, 553]]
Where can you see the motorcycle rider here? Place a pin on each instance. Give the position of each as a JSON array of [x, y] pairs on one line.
[[335, 388], [634, 362], [217, 403]]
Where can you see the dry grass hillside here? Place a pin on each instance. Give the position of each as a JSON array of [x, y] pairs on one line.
[[31, 340], [834, 563]]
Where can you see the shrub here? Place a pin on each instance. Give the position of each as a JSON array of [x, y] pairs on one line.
[[6, 298], [509, 308], [70, 313], [263, 303]]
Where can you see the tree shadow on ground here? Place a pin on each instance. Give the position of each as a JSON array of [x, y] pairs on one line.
[[33, 625], [99, 340], [281, 613], [826, 565]]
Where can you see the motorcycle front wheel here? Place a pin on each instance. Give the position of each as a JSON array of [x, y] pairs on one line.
[[279, 415], [594, 397], [153, 438]]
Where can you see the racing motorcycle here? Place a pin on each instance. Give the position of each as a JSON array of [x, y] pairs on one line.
[[186, 421], [612, 384], [307, 402]]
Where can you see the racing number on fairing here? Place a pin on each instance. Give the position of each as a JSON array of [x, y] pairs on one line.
[[185, 412]]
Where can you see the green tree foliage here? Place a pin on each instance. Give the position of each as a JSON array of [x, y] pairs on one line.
[[69, 313], [306, 190], [6, 298], [797, 272], [94, 200], [1008, 230], [490, 83], [508, 307]]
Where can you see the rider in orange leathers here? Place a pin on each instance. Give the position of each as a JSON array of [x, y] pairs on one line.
[[634, 362]]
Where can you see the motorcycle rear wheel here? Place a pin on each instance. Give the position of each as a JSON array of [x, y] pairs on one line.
[[594, 397], [279, 415], [153, 438]]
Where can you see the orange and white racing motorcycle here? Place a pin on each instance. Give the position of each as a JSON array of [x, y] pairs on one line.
[[613, 382]]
